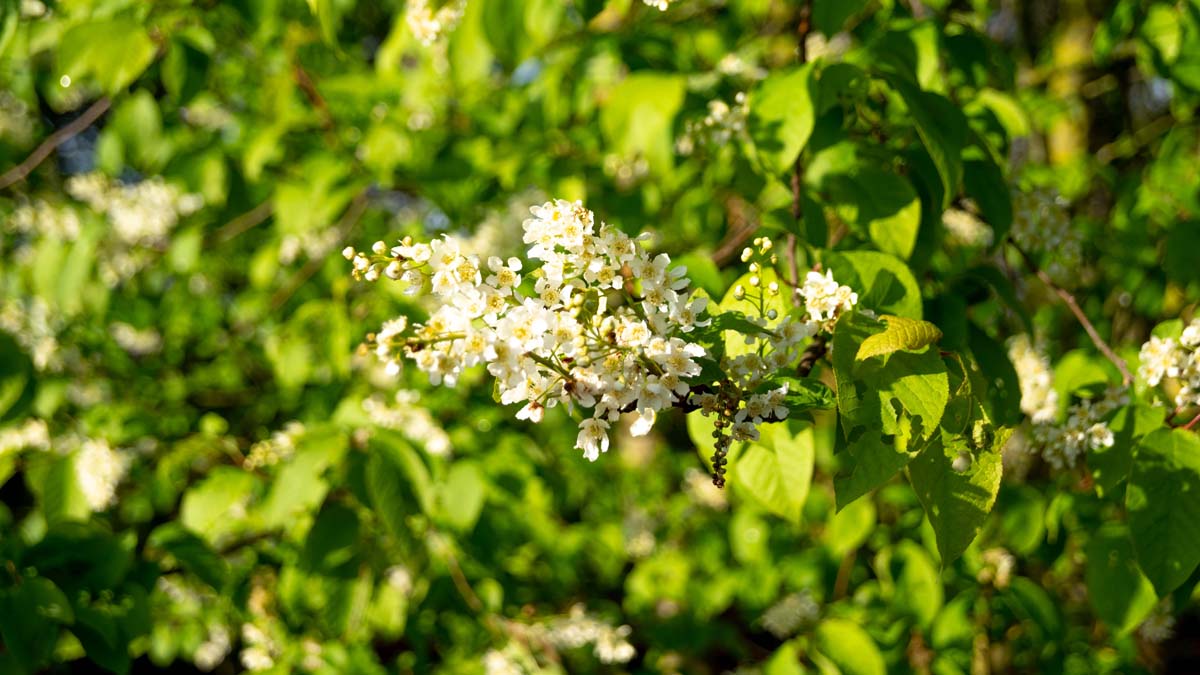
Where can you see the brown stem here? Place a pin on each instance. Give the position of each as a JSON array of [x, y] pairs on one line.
[[306, 84], [1192, 424], [813, 353], [66, 133], [1069, 301], [244, 222]]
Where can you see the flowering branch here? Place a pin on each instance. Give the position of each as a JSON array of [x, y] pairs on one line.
[[1073, 306], [39, 155]]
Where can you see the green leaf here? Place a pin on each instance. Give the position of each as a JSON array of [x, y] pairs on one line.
[[398, 481], [780, 117], [919, 586], [191, 553], [732, 319], [901, 333], [785, 661], [878, 204], [62, 499], [829, 16], [300, 485], [639, 116], [850, 527], [114, 52], [957, 504], [984, 182], [943, 131], [776, 472], [461, 495], [995, 379], [1121, 595], [207, 506], [1111, 466], [883, 282], [1163, 501], [849, 647], [16, 379], [30, 615]]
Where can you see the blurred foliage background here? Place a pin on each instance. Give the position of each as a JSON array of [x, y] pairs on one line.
[[197, 472]]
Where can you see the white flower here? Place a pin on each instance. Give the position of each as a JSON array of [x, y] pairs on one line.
[[1159, 358], [1191, 335], [1039, 399], [825, 298], [593, 438], [98, 471]]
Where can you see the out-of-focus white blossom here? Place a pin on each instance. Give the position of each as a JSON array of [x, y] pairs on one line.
[[817, 45], [964, 228], [16, 120], [212, 652], [259, 650], [998, 566], [135, 341], [279, 447], [409, 418], [1041, 224], [1039, 399], [1160, 625], [428, 24], [31, 323], [98, 471], [660, 5], [723, 123], [31, 434], [1063, 444], [786, 617]]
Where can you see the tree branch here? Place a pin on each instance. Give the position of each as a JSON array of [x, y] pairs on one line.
[[1069, 301], [60, 136], [244, 222]]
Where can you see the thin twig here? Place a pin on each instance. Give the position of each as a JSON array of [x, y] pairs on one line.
[[244, 222], [813, 353], [66, 133], [1069, 301], [347, 223], [804, 25], [1191, 425], [317, 100]]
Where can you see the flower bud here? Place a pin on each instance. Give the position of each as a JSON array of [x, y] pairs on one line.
[[379, 248], [755, 281], [739, 292], [349, 252]]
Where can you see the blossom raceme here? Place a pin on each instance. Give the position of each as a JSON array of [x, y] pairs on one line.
[[600, 324], [591, 319]]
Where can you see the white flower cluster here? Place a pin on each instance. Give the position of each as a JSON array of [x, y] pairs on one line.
[[965, 229], [998, 567], [1179, 360], [1041, 224], [409, 418], [1060, 445], [279, 447], [825, 299], [583, 332], [141, 213], [817, 46], [98, 471], [789, 615], [1039, 400], [427, 25], [660, 5], [1085, 429], [722, 124], [1160, 625], [31, 323], [141, 216], [16, 120], [135, 341], [30, 435], [212, 652], [578, 629], [259, 650]]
